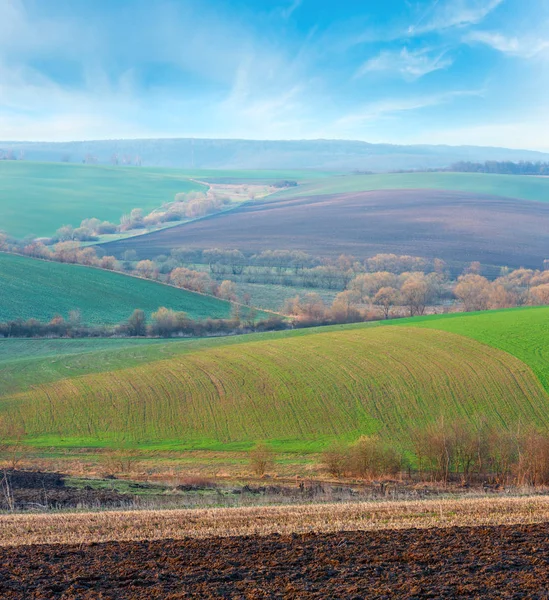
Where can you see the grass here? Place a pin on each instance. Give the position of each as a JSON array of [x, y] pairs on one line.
[[26, 363], [257, 175], [509, 186], [296, 389], [39, 289], [298, 392], [524, 333], [134, 525], [38, 198]]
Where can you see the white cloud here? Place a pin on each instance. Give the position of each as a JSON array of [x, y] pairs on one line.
[[408, 64], [445, 14], [526, 47]]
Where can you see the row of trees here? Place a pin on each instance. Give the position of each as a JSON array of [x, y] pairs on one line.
[[189, 205], [390, 293], [445, 451], [502, 167], [513, 288], [163, 323]]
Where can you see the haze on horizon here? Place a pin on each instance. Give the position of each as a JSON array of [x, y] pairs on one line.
[[401, 71]]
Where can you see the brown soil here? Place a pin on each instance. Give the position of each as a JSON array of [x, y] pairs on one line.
[[465, 562], [458, 227]]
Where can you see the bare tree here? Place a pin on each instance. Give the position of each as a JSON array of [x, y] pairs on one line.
[[386, 298]]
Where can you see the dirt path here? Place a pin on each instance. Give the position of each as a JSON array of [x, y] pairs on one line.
[[482, 562]]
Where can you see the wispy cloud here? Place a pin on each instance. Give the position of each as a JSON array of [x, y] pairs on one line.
[[288, 11], [391, 107], [525, 47], [445, 14], [410, 64]]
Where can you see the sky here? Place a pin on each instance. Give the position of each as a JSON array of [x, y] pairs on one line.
[[395, 71]]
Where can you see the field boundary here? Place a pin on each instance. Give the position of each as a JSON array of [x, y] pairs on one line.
[[140, 525]]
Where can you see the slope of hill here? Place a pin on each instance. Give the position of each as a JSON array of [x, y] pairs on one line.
[[32, 288], [38, 198], [522, 187], [459, 227], [268, 154], [524, 333], [295, 389]]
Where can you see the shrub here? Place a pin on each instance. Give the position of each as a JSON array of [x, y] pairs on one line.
[[261, 459], [371, 458]]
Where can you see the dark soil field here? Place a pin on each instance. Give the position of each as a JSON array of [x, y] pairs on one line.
[[479, 562], [458, 227]]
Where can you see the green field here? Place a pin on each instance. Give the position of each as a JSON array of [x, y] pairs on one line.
[[254, 176], [510, 186], [38, 198], [297, 389], [524, 333], [31, 288]]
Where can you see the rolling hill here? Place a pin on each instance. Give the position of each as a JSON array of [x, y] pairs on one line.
[[457, 226], [38, 198], [269, 154], [521, 187], [300, 389], [32, 288]]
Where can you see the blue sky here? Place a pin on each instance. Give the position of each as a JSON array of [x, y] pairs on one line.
[[396, 71]]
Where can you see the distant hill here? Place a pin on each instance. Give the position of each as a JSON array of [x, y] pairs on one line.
[[262, 154]]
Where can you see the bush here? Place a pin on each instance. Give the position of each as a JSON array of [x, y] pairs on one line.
[[336, 459], [371, 458], [261, 459]]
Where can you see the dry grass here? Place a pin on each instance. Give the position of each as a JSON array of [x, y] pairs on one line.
[[81, 528]]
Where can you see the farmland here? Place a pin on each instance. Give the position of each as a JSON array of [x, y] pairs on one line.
[[38, 198], [474, 561], [298, 392], [506, 186], [458, 227], [259, 176], [38, 289], [524, 333]]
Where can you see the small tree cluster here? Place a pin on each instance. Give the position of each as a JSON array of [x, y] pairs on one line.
[[369, 458], [448, 450]]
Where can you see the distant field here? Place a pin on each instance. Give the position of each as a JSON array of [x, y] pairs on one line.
[[458, 227], [31, 288], [508, 186], [302, 176], [38, 198], [296, 389]]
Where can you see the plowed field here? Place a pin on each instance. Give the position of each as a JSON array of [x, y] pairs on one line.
[[456, 226], [464, 562]]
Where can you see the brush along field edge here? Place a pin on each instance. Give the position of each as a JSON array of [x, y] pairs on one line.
[[335, 385], [94, 527]]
